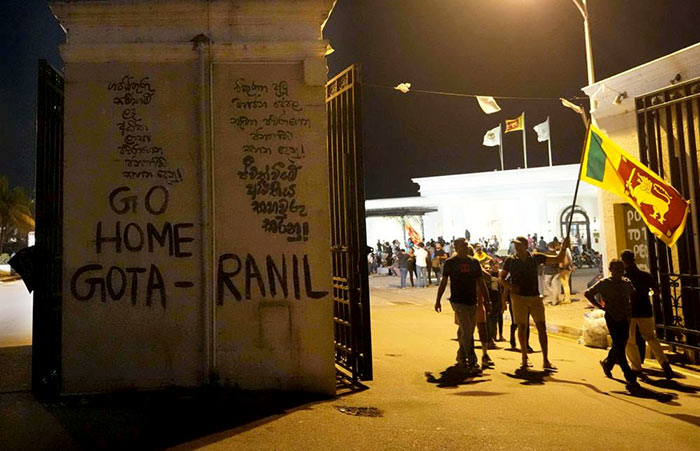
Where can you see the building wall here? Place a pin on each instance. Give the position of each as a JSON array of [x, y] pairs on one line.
[[196, 196], [502, 203]]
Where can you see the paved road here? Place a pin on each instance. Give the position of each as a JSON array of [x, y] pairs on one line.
[[425, 404], [15, 314]]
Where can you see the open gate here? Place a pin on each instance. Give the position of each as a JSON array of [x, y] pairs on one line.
[[353, 345], [46, 327], [668, 122]]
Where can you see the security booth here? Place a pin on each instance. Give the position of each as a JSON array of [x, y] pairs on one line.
[[195, 186]]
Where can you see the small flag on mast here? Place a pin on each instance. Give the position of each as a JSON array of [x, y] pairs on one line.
[[513, 125], [571, 105], [488, 104], [542, 131], [609, 167], [492, 137]]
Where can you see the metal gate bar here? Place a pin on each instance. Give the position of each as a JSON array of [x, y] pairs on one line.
[[668, 128], [352, 333], [46, 328]]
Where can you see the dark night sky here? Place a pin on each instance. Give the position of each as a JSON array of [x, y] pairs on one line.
[[522, 48], [28, 32]]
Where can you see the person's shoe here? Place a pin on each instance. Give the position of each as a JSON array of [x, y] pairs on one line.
[[607, 371], [501, 338], [492, 345], [486, 362], [529, 349], [633, 387], [547, 366], [668, 371]]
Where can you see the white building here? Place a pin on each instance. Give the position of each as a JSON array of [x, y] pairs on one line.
[[502, 203]]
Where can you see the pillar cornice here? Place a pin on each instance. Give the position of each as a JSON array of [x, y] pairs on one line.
[[163, 52], [177, 21]]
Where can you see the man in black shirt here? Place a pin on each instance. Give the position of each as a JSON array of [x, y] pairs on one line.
[[464, 273], [525, 294], [642, 316]]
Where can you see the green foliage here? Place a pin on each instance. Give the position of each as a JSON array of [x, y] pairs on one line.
[[4, 258], [15, 213]]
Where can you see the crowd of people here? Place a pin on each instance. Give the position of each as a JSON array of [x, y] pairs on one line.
[[484, 285]]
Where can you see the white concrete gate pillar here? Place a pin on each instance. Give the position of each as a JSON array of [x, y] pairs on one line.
[[196, 195]]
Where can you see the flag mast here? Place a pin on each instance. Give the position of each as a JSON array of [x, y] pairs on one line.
[[587, 123], [500, 143], [524, 143], [549, 140]]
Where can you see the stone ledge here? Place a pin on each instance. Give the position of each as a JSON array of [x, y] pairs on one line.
[[281, 51]]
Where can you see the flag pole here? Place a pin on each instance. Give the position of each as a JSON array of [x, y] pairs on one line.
[[500, 143], [578, 179], [524, 143], [549, 141]]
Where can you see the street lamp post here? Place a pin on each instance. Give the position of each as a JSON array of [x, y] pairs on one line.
[[583, 9]]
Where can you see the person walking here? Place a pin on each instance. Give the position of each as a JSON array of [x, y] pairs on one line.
[[422, 265], [465, 276], [411, 265], [439, 257], [642, 316], [614, 294], [565, 269], [525, 296], [494, 323], [402, 259]]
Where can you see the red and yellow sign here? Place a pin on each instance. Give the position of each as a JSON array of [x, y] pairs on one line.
[[609, 167]]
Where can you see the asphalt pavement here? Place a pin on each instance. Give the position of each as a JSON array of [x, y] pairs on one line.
[[417, 400]]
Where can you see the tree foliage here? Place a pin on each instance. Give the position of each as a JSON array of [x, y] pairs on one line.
[[15, 213]]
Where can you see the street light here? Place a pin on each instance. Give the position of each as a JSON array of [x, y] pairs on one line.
[[583, 9]]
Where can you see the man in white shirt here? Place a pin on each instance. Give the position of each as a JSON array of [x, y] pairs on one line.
[[421, 264]]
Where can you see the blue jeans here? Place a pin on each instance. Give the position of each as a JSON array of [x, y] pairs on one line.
[[404, 272], [466, 320], [422, 275]]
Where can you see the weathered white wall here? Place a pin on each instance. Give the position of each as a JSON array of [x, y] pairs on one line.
[[271, 214], [127, 318]]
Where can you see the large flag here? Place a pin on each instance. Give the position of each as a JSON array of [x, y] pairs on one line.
[[607, 166], [412, 234], [542, 131], [516, 124], [492, 137], [488, 104]]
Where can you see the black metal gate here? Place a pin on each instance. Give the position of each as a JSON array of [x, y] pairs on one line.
[[46, 335], [668, 124], [353, 345]]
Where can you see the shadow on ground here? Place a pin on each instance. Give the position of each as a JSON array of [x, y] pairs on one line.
[[454, 376], [164, 419], [530, 377]]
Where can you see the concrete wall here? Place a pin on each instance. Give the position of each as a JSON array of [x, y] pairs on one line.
[[196, 197]]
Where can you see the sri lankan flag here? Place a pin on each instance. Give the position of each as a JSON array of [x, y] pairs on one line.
[[513, 125], [607, 166]]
